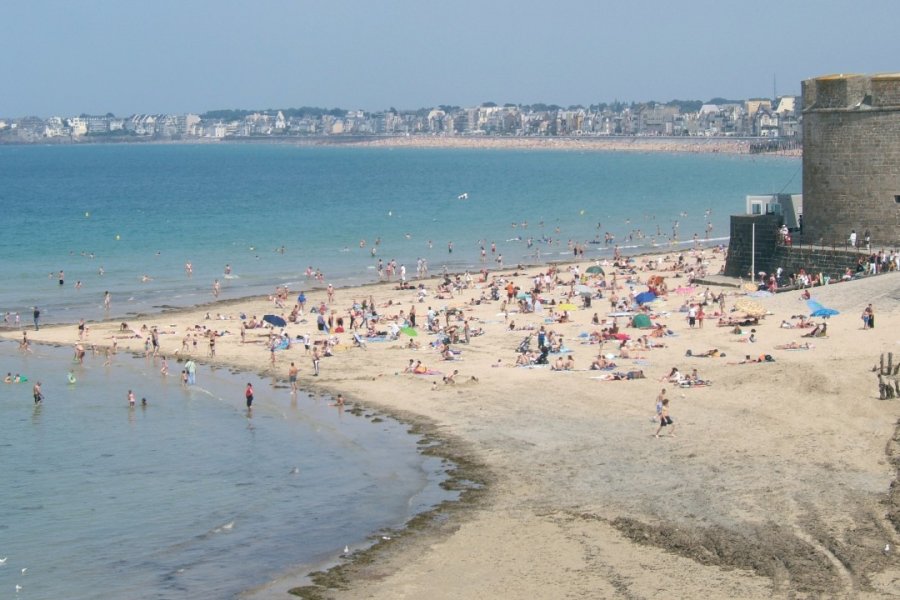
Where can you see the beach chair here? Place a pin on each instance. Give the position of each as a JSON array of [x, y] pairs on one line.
[[358, 342]]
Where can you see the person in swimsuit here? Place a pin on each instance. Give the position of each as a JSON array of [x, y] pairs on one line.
[[36, 390], [248, 394], [292, 377], [665, 420]]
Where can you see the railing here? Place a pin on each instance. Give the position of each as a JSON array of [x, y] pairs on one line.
[[843, 245]]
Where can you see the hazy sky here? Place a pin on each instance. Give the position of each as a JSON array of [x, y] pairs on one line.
[[66, 57]]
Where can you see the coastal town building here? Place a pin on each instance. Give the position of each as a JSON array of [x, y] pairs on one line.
[[777, 120]]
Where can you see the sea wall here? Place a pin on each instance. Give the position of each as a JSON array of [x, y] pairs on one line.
[[769, 254], [742, 257]]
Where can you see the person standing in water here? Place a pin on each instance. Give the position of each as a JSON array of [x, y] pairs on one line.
[[130, 398], [248, 394], [292, 376], [36, 391]]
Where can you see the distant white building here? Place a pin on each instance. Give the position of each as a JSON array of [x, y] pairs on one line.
[[78, 126]]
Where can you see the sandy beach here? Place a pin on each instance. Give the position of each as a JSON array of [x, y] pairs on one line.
[[780, 480], [645, 144]]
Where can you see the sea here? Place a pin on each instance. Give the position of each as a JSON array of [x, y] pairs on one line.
[[191, 497]]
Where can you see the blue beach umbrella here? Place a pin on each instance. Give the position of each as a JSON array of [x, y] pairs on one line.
[[645, 297], [274, 320], [817, 310]]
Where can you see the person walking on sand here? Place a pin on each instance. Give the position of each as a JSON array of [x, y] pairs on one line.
[[659, 405], [248, 395], [665, 420], [315, 360]]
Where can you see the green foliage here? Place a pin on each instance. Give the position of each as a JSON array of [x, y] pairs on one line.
[[686, 106]]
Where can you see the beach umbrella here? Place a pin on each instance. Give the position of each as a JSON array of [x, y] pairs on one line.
[[595, 270], [750, 287], [410, 331], [584, 290], [750, 307], [567, 307], [522, 295], [274, 320], [686, 290], [641, 321], [645, 297], [817, 310]]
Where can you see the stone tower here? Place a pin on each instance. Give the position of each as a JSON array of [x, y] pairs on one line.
[[851, 158]]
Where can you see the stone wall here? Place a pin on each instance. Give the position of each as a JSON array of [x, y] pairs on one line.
[[770, 254], [832, 263], [740, 257], [851, 158]]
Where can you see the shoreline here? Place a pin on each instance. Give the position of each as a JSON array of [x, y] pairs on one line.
[[649, 144], [549, 492]]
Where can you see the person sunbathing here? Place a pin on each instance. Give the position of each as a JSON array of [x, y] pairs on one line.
[[525, 359], [446, 353], [819, 330], [559, 364], [708, 354], [794, 346], [674, 376], [601, 364]]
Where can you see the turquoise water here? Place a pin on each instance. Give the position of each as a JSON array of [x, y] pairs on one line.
[[188, 497], [149, 209]]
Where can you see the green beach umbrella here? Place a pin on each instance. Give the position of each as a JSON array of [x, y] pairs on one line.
[[410, 331], [595, 270]]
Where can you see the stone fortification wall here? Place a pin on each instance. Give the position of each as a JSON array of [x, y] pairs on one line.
[[770, 254], [829, 262], [851, 158], [741, 257]]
